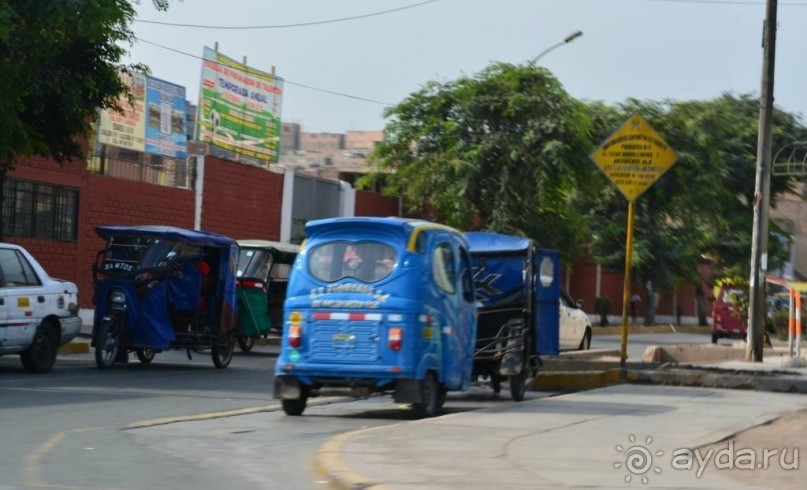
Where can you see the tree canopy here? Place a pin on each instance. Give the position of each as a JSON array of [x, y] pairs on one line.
[[507, 150], [61, 62], [504, 150]]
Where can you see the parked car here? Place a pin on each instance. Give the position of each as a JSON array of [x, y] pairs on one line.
[[575, 325], [38, 313]]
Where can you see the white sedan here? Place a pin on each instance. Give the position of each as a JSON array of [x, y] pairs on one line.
[[575, 325], [37, 313]]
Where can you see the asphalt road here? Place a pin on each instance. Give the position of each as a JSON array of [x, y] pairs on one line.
[[123, 428]]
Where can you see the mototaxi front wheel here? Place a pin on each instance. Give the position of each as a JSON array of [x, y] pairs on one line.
[[145, 355], [107, 343], [246, 343], [518, 386]]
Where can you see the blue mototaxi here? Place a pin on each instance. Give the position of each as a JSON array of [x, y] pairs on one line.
[[163, 287], [378, 305], [506, 333]]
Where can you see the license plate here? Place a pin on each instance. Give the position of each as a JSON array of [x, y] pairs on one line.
[[344, 340]]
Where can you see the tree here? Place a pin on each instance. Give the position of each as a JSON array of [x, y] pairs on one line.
[[61, 62], [505, 150], [702, 207]]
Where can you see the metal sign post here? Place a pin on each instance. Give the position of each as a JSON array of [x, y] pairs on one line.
[[633, 158]]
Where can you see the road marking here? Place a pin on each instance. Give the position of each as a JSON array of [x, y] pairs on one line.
[[330, 466], [32, 462]]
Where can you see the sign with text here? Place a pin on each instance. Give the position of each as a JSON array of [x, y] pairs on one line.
[[634, 157], [126, 129], [166, 115], [239, 107]]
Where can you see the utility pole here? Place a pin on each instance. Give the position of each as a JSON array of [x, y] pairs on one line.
[[759, 241]]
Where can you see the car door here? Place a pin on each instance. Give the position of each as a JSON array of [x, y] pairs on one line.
[[21, 298], [572, 326]]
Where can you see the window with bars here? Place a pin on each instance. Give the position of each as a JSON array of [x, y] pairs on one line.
[[40, 211]]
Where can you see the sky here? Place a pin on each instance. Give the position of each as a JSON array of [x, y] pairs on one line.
[[644, 49]]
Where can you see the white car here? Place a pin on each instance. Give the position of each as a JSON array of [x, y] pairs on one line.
[[575, 325], [37, 313]]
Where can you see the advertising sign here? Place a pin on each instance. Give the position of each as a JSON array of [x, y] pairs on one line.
[[166, 115], [239, 107], [126, 129]]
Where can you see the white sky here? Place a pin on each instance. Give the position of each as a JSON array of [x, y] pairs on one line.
[[647, 49]]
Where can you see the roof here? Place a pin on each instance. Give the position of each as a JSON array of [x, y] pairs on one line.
[[198, 237], [484, 242], [412, 227], [283, 247]]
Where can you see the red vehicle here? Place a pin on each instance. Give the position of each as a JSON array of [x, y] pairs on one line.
[[728, 319]]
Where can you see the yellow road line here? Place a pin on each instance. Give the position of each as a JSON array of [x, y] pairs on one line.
[[328, 463]]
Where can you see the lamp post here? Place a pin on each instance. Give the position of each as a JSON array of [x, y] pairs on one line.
[[566, 40]]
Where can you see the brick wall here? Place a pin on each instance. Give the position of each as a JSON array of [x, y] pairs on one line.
[[374, 204], [241, 201]]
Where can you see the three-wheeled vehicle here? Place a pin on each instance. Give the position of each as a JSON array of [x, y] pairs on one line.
[[262, 278], [159, 288], [378, 305], [505, 278]]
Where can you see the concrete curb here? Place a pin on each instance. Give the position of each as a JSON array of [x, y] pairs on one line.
[[721, 379], [566, 381], [75, 348], [617, 330], [328, 463]]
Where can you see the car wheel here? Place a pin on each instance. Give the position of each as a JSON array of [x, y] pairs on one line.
[[223, 352], [246, 343], [107, 343], [41, 355], [429, 395], [585, 344], [518, 386], [145, 355]]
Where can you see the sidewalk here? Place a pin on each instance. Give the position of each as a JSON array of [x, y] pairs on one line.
[[565, 441]]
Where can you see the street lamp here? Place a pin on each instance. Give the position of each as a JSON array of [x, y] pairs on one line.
[[566, 40]]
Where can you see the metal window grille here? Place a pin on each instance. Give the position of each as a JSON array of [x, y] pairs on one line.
[[40, 211]]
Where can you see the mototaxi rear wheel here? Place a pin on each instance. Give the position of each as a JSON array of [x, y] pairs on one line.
[[246, 343], [145, 355], [222, 352]]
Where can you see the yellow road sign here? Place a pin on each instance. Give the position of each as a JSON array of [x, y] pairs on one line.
[[634, 157]]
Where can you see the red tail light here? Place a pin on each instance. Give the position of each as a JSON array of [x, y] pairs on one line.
[[295, 336], [395, 338], [250, 283]]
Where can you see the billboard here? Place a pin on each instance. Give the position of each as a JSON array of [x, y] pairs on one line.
[[239, 107], [166, 110], [126, 129]]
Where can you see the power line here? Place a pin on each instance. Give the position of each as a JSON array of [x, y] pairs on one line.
[[282, 26], [332, 92], [732, 2]]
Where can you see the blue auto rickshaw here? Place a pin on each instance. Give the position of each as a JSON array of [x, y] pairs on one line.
[[378, 305], [161, 287], [506, 331]]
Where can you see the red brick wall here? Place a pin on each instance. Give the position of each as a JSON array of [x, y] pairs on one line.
[[241, 201], [374, 204]]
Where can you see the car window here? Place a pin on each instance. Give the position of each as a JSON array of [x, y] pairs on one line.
[[443, 267], [15, 270], [566, 300]]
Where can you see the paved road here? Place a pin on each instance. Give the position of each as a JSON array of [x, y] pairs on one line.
[[79, 427]]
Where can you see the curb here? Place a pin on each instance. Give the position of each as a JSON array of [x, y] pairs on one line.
[[567, 381], [617, 330], [718, 379], [75, 348], [329, 464]]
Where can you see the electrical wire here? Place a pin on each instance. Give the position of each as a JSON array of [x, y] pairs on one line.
[[309, 87], [282, 26]]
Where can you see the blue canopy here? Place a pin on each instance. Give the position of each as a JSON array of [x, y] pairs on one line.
[[495, 243], [172, 233]]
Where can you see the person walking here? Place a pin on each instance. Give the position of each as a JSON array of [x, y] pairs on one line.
[[635, 299]]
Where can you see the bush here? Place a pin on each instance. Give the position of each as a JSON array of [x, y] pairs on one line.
[[602, 307]]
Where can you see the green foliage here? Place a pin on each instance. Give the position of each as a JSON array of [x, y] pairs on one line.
[[61, 63], [505, 150]]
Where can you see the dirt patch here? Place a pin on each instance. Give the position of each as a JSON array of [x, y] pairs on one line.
[[788, 433]]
